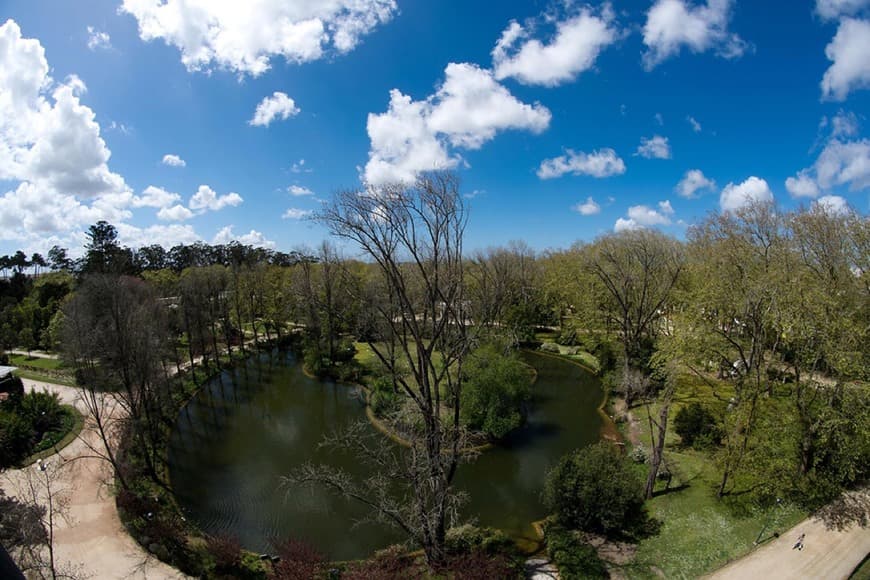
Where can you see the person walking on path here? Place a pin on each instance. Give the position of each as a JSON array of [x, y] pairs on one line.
[[800, 542]]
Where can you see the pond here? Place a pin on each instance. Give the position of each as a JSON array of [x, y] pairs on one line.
[[248, 427]]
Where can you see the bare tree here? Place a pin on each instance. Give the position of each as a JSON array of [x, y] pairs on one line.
[[414, 235]]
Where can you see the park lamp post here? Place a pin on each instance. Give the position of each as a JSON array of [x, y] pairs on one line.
[[766, 522]]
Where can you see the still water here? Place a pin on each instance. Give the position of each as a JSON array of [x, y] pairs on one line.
[[249, 426]]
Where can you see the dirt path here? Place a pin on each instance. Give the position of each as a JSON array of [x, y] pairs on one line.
[[827, 554], [93, 540], [33, 354]]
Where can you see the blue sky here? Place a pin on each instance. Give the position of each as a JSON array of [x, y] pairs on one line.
[[564, 120]]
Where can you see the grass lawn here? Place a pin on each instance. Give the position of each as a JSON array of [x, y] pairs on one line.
[[19, 360], [700, 532], [45, 378]]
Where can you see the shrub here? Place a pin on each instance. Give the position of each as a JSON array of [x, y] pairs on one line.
[[468, 538], [383, 398], [389, 564], [495, 392], [479, 565], [574, 558], [696, 426], [597, 490], [43, 411], [16, 437], [299, 560], [550, 347], [227, 553]]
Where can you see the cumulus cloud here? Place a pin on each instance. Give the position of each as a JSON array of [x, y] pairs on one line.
[[831, 9], [833, 204], [848, 52], [278, 106], [696, 126], [174, 160], [98, 40], [50, 148], [252, 238], [844, 163], [844, 124], [673, 24], [802, 185], [244, 36], [692, 182], [158, 197], [600, 163], [466, 111], [736, 196], [576, 44], [165, 235], [298, 190], [206, 198], [588, 207], [294, 213], [643, 216], [656, 147], [176, 213]]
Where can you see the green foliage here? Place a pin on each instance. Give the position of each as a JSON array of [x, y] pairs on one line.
[[595, 489], [468, 538], [574, 558], [16, 435], [42, 411], [495, 392], [696, 426], [384, 399]]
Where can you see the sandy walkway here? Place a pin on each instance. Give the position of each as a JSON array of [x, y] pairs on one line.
[[827, 554], [94, 539]]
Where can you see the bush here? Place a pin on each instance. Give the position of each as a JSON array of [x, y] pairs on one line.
[[495, 392], [550, 347], [696, 426], [389, 564], [43, 411], [384, 400], [574, 559], [596, 490], [227, 553], [299, 560], [16, 437], [485, 549]]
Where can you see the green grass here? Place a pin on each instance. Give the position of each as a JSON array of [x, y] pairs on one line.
[[19, 360], [700, 532], [76, 428], [862, 572], [45, 378]]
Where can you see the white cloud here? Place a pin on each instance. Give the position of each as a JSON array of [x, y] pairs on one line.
[[206, 198], [573, 49], [625, 225], [243, 36], [294, 213], [844, 124], [692, 182], [589, 207], [833, 204], [656, 147], [696, 126], [176, 213], [850, 68], [802, 185], [753, 190], [844, 163], [50, 149], [155, 197], [672, 24], [466, 111], [278, 106], [174, 160], [299, 167], [166, 235], [252, 238], [98, 40], [297, 190], [831, 9], [600, 163]]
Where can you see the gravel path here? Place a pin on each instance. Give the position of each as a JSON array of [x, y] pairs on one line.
[[93, 540], [827, 554]]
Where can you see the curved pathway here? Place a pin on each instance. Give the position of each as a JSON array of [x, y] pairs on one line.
[[828, 554], [93, 539]]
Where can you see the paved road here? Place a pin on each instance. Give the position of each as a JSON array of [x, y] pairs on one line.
[[93, 540], [33, 353], [827, 554]]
